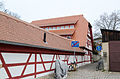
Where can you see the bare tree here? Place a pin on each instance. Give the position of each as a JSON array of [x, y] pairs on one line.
[[2, 8], [12, 13], [107, 21]]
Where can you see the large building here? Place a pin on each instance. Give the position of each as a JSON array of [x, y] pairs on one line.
[[72, 27], [28, 52]]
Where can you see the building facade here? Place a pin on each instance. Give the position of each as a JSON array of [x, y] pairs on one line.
[[72, 27], [28, 52]]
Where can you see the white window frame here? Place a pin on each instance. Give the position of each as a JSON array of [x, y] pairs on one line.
[[72, 26]]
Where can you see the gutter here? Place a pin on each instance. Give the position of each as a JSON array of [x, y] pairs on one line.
[[85, 48], [37, 46]]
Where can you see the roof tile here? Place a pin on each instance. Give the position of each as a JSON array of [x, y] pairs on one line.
[[57, 21], [63, 32], [15, 30]]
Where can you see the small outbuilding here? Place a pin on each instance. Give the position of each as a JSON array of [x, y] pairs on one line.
[[111, 49]]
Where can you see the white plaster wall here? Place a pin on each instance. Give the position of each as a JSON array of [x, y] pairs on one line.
[[47, 57], [30, 77], [30, 69], [15, 57], [62, 57], [40, 67], [0, 62], [3, 73], [32, 59], [90, 46], [47, 66], [105, 48], [16, 70], [53, 66], [22, 58], [39, 75], [38, 58]]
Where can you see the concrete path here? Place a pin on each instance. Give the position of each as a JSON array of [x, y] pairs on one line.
[[89, 72]]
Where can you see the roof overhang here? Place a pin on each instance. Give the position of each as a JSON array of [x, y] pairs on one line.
[[85, 48], [57, 24], [36, 46], [63, 31]]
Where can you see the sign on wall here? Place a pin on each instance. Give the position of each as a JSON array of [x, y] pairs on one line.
[[98, 48], [75, 44]]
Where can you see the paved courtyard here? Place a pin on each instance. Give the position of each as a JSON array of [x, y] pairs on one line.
[[89, 72]]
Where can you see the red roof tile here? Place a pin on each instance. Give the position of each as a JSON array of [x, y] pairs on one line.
[[57, 21], [15, 30], [63, 31], [81, 26]]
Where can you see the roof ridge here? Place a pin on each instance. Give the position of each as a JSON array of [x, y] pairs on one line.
[[58, 17]]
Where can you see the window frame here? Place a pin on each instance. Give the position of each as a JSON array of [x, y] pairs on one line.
[[72, 27]]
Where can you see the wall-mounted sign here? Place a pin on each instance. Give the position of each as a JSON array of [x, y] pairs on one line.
[[98, 48], [75, 44]]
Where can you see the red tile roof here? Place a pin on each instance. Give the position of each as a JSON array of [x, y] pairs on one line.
[[15, 30], [57, 21], [81, 26], [63, 31]]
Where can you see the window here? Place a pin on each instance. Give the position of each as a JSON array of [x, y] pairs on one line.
[[50, 28], [66, 27], [62, 27], [58, 28], [43, 27], [71, 26], [46, 28], [54, 28], [68, 37]]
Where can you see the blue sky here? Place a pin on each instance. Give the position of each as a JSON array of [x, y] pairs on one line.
[[42, 9]]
